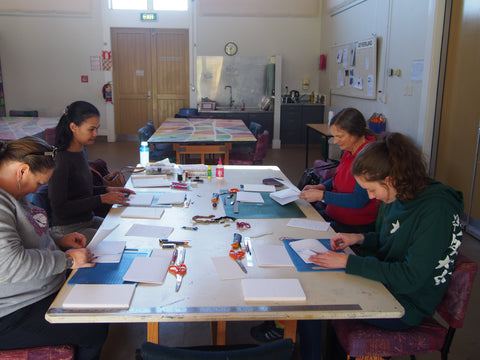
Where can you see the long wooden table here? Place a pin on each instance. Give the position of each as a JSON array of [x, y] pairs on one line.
[[204, 297]]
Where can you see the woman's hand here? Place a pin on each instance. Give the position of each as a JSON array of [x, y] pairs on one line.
[[72, 241], [81, 258], [312, 195], [314, 187], [330, 260], [111, 198], [341, 241]]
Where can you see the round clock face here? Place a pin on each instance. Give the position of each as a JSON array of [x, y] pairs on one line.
[[231, 48]]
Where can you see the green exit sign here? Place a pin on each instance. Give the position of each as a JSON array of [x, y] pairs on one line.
[[148, 17]]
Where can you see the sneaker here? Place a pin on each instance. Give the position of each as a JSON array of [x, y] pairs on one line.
[[266, 332]]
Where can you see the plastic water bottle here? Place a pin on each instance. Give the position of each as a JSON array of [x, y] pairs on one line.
[[144, 154], [220, 171], [330, 116]]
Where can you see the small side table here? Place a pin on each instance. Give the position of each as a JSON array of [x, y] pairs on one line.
[[324, 131]]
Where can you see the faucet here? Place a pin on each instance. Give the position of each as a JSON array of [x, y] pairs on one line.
[[231, 100]]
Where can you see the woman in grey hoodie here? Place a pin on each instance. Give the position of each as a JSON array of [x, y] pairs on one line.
[[32, 264]]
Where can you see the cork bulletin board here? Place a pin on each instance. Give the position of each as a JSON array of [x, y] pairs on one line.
[[353, 69]]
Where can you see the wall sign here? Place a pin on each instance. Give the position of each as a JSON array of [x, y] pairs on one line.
[[148, 17]]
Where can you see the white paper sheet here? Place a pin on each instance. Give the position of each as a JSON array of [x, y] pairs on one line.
[[99, 236], [259, 187], [307, 247], [249, 197], [142, 212], [273, 290], [285, 196], [109, 251], [309, 224], [171, 198], [227, 268], [150, 270], [268, 255], [99, 296], [140, 181], [160, 232], [140, 199]]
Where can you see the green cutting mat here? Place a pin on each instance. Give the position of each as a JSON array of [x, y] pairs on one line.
[[270, 209]]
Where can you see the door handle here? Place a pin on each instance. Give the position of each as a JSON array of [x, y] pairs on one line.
[[149, 95]]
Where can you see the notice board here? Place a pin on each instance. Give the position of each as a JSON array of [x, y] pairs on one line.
[[353, 69]]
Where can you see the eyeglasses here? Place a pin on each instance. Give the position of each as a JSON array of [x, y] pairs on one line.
[[52, 153]]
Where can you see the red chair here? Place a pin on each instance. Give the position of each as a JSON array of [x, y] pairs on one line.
[[54, 352], [50, 135], [360, 339], [252, 158]]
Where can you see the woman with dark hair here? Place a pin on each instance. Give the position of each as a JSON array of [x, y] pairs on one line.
[[33, 267], [70, 190], [348, 208], [419, 234]]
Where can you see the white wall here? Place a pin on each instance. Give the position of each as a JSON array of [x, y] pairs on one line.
[[43, 57], [404, 29]]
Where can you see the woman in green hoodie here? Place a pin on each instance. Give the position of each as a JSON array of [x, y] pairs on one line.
[[418, 233]]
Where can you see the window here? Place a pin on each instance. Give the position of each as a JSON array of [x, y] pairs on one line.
[[159, 5]]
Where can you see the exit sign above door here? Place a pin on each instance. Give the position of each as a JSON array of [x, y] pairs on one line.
[[148, 17]]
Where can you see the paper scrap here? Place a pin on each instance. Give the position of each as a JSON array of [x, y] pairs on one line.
[[249, 197], [271, 255], [140, 199]]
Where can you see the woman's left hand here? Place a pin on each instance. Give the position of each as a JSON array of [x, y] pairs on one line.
[[72, 241], [120, 189], [330, 260]]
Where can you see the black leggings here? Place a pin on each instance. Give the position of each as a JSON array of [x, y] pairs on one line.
[[27, 327]]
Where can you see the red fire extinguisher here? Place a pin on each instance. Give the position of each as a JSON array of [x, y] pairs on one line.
[[107, 92]]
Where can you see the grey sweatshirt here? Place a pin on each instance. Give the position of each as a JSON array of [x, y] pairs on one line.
[[31, 265]]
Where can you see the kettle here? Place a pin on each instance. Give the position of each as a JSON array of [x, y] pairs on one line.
[[294, 94]]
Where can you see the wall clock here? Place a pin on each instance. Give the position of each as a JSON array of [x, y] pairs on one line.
[[231, 48]]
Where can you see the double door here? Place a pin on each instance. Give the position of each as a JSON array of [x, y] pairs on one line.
[[150, 76]]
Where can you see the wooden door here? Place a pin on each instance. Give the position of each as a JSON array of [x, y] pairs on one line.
[[460, 114], [150, 77], [170, 71]]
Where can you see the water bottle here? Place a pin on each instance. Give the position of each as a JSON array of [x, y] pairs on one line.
[[144, 154], [219, 170], [330, 116]]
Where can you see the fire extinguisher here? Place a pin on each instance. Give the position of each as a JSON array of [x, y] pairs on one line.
[[107, 92]]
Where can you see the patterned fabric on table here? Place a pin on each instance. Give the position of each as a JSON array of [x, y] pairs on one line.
[[57, 352]]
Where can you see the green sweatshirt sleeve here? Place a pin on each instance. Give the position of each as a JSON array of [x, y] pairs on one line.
[[415, 253]]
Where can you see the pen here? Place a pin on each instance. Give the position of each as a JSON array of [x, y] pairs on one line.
[[166, 241]]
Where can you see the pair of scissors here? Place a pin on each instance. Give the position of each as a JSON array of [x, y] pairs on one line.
[[179, 269], [238, 255]]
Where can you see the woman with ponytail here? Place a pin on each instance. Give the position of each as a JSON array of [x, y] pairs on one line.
[[414, 247], [73, 197]]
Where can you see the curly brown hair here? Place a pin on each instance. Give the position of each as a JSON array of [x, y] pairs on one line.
[[395, 156]]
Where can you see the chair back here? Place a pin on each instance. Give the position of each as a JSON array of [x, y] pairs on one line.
[[453, 306], [278, 350], [261, 147], [24, 113], [255, 128], [145, 132]]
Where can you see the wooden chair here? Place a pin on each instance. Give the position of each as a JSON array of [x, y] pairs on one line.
[[24, 113], [202, 150], [252, 158], [360, 339]]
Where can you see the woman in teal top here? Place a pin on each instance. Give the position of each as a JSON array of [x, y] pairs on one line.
[[418, 233]]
